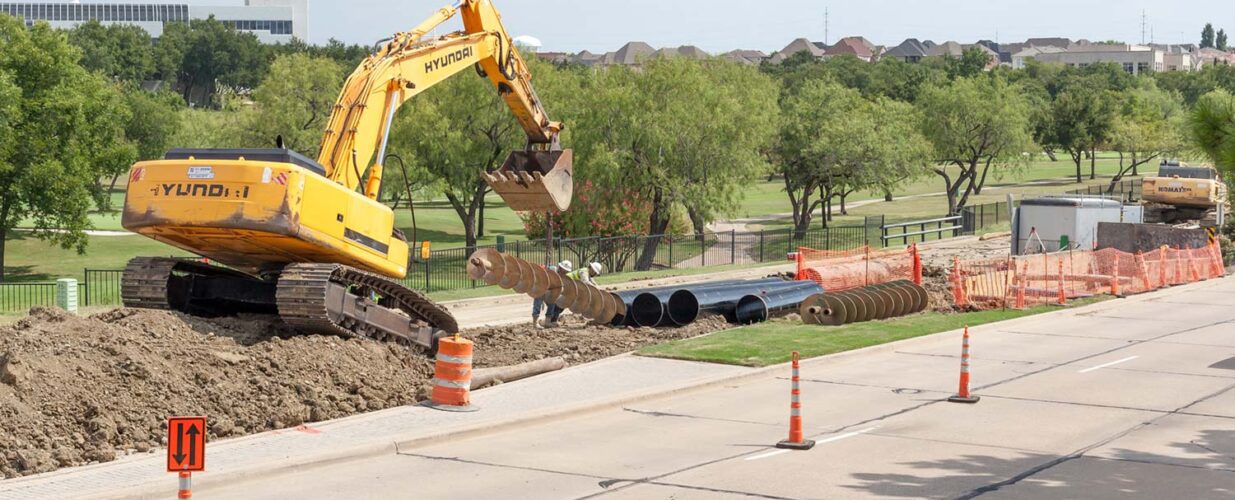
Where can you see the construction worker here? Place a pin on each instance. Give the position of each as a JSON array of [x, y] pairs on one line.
[[551, 312], [588, 274]]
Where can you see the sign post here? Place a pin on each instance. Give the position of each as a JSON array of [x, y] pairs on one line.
[[186, 450]]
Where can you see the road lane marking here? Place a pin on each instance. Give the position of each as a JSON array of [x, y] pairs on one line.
[[821, 441], [1112, 363], [768, 454]]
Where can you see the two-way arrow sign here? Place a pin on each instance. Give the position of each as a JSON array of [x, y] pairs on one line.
[[183, 433]]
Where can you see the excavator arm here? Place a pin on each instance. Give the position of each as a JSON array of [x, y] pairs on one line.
[[538, 178]]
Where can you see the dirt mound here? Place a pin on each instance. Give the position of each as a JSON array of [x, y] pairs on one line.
[[574, 340], [77, 390]]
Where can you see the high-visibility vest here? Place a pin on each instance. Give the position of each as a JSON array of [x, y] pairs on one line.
[[576, 275]]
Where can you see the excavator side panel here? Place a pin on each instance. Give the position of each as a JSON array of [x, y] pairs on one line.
[[259, 215]]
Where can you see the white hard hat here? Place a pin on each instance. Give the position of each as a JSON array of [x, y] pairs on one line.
[[566, 266], [596, 268]]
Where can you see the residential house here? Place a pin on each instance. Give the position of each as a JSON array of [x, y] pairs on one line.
[[911, 50], [752, 57], [1057, 42], [856, 46], [1018, 58], [687, 51], [1215, 57], [953, 49], [586, 58], [799, 45], [631, 54]]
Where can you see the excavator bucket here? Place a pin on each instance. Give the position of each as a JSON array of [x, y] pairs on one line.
[[535, 181]]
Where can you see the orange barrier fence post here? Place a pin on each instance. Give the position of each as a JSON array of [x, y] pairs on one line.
[[1162, 266], [796, 441], [186, 485], [958, 284], [1063, 297], [452, 375], [962, 394], [1215, 250], [1115, 277], [1143, 271], [917, 265]]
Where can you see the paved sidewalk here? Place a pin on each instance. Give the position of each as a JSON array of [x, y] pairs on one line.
[[609, 381]]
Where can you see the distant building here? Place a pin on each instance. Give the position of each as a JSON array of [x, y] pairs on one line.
[[1019, 58], [911, 50], [631, 54], [856, 46], [1180, 57], [1135, 59], [273, 21], [953, 49], [1215, 57], [815, 49], [752, 57]]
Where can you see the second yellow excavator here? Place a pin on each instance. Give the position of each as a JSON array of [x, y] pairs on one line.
[[308, 239]]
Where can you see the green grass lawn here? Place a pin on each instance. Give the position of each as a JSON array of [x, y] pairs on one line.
[[772, 342], [769, 197]]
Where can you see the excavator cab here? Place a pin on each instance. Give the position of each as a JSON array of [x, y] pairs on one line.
[[535, 180]]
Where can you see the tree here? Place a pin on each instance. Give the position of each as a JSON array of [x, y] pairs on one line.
[[972, 62], [121, 51], [1220, 40], [215, 53], [59, 125], [816, 123], [1207, 36], [974, 124], [1149, 125], [153, 120], [1211, 126], [1082, 116], [295, 101]]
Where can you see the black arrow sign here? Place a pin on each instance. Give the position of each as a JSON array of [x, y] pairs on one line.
[[179, 456], [192, 444]]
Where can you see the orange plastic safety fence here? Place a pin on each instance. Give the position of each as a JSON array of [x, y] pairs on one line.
[[1030, 280], [838, 270]]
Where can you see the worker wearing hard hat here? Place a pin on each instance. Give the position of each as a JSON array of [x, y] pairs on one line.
[[551, 313], [588, 274]]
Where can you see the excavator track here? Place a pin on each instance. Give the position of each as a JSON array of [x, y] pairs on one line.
[[329, 299], [337, 299]]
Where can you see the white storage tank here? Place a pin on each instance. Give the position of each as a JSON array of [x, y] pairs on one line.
[[1052, 223]]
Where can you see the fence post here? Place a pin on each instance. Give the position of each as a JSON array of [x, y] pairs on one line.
[[427, 267], [761, 245], [733, 246], [672, 263], [703, 249]]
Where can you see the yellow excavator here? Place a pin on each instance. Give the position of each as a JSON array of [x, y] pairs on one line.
[[308, 240]]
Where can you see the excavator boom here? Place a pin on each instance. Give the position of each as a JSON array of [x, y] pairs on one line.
[[538, 178]]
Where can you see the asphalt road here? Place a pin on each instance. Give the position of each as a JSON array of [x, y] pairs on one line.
[[1128, 399]]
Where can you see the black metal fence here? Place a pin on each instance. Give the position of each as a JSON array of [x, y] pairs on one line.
[[978, 217], [21, 296], [1128, 190], [100, 287]]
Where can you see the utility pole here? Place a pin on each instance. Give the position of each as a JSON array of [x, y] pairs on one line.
[[1144, 22], [825, 25]]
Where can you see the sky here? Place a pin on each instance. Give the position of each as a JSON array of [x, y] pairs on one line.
[[722, 25]]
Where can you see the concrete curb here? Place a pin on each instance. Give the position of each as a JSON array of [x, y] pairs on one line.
[[405, 441]]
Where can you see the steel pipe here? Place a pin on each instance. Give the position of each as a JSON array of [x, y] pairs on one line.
[[685, 306], [755, 308]]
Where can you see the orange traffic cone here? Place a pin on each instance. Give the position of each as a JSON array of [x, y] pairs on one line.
[[962, 394], [795, 441]]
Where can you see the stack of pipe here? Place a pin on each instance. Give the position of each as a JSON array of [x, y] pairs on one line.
[[885, 300], [687, 304], [496, 268]]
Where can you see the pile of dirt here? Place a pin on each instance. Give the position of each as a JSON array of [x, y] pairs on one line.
[[574, 339], [77, 390]]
